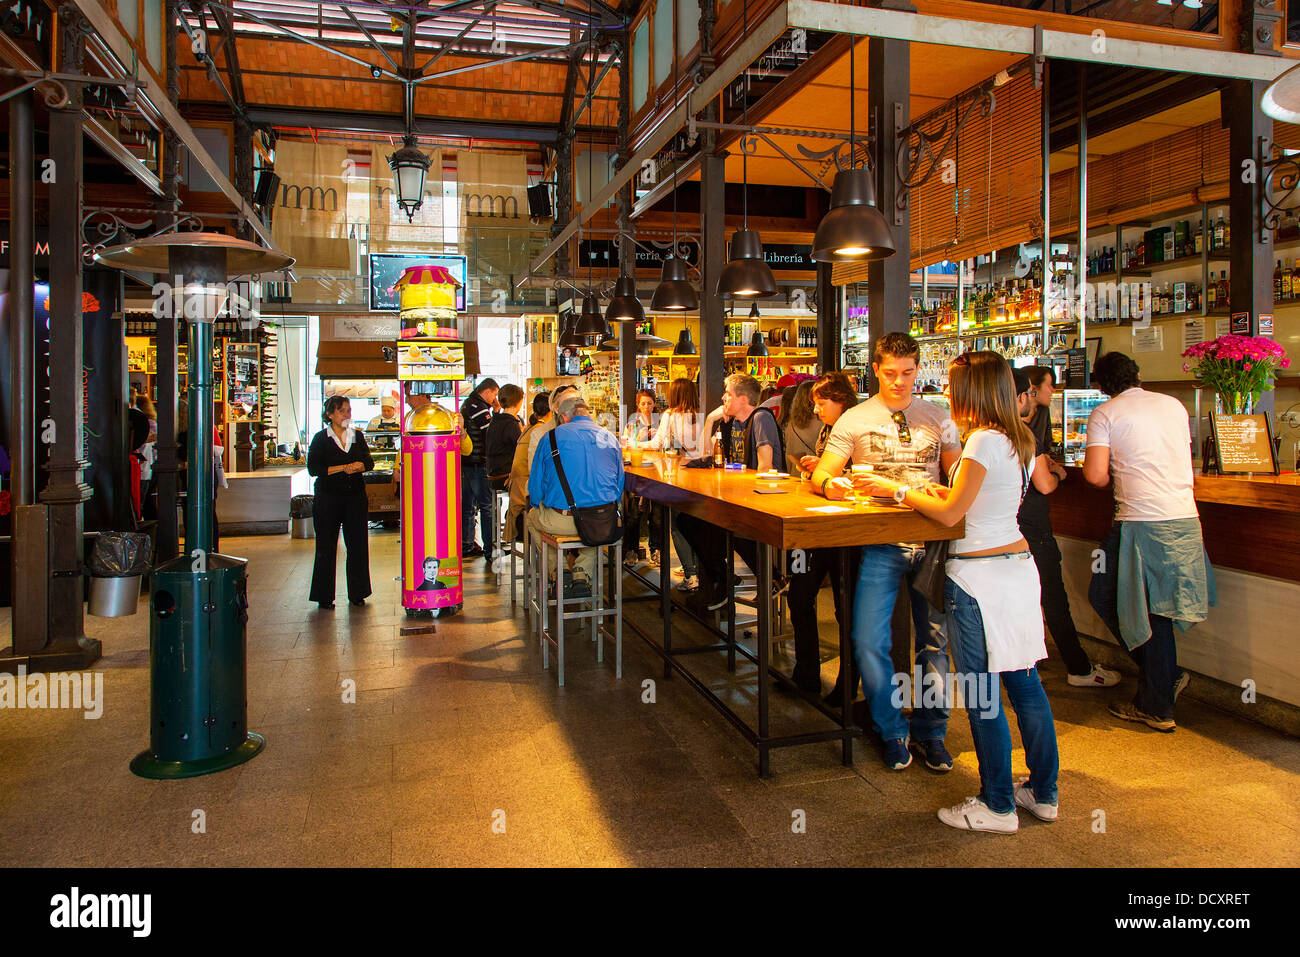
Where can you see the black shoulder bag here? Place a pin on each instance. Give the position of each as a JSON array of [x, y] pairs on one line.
[[595, 524]]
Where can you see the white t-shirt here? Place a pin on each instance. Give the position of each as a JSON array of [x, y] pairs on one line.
[[1150, 455], [991, 521], [869, 434]]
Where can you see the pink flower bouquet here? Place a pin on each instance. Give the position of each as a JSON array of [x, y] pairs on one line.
[[1236, 367]]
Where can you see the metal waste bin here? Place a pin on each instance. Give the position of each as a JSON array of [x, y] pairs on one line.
[[198, 666], [113, 597], [301, 523]]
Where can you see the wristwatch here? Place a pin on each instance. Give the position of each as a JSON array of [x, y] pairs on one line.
[[900, 493]]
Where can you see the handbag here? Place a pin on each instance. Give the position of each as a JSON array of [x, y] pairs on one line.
[[932, 572], [595, 524]]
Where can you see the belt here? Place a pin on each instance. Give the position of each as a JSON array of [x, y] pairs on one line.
[[971, 558]]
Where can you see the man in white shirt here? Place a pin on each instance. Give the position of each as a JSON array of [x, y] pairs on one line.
[[387, 417], [1153, 571], [913, 442]]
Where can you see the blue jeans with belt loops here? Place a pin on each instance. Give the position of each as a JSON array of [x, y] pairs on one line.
[[988, 726], [883, 568]]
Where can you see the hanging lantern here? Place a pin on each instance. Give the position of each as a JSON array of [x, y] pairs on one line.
[[410, 166], [428, 302], [674, 292], [590, 322], [625, 306], [747, 275]]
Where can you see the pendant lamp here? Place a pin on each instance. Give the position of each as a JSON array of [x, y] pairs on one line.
[[569, 337], [685, 345], [590, 322], [747, 275], [854, 230], [674, 292], [625, 306], [410, 166], [757, 347], [608, 342]]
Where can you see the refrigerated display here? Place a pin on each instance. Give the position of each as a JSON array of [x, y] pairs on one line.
[[1075, 407]]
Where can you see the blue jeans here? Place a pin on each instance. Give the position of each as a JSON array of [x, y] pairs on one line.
[[475, 494], [882, 570], [988, 720]]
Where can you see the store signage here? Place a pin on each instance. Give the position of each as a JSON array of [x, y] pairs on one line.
[[1265, 324], [386, 268], [430, 361], [603, 254], [1243, 444], [1240, 324]]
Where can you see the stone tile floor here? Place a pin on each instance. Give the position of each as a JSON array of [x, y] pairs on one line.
[[460, 750]]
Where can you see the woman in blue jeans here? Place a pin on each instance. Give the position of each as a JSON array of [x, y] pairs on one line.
[[995, 627]]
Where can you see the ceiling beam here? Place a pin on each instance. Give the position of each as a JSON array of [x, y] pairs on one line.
[[112, 37], [370, 36], [388, 125], [749, 49], [232, 57]]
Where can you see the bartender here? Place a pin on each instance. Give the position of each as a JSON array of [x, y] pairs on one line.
[[387, 417]]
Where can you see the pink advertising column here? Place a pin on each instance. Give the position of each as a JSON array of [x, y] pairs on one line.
[[431, 521]]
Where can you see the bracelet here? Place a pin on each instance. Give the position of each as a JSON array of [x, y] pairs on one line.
[[824, 481]]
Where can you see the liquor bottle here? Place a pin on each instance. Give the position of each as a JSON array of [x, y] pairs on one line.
[[1211, 295], [1140, 259], [1224, 296], [1220, 234], [1277, 280], [1197, 240], [718, 461], [1227, 233], [1294, 273]]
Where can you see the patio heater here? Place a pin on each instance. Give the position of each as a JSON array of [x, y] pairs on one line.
[[198, 602]]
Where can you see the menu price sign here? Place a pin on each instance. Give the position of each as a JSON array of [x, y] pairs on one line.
[[1243, 444]]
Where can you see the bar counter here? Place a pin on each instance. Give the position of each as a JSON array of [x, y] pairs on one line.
[[1251, 527], [795, 518]]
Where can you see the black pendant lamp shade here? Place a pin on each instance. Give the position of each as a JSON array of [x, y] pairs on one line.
[[590, 323], [757, 347], [854, 230], [625, 306], [685, 346], [569, 337], [674, 292], [747, 275], [608, 342]]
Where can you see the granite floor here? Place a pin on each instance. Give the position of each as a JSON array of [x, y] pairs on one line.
[[460, 750]]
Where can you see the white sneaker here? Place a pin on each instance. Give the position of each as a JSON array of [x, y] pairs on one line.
[[1025, 799], [1098, 677], [689, 584], [974, 815], [654, 559], [1184, 678]]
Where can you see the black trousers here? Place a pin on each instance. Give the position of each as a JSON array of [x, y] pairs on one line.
[[710, 545], [330, 512], [1036, 526], [636, 509], [805, 585]]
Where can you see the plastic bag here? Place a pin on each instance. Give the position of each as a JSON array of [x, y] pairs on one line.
[[120, 555], [300, 506]]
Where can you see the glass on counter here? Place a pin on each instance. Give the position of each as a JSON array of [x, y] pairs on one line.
[[1077, 406]]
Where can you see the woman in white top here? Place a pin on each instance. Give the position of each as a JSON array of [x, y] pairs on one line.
[[995, 627], [679, 429]]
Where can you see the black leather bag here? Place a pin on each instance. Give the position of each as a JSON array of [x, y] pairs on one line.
[[932, 573], [595, 524]]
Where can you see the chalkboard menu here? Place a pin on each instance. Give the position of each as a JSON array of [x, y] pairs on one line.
[[1243, 444]]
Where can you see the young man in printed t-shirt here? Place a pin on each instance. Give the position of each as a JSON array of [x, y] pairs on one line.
[[914, 442]]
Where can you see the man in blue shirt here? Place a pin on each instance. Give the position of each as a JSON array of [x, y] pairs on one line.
[[593, 465]]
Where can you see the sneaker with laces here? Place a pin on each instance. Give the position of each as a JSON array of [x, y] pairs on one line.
[[974, 815], [654, 559], [934, 755], [1128, 711], [689, 584], [1098, 677], [897, 754], [1184, 678], [1025, 799], [630, 559]]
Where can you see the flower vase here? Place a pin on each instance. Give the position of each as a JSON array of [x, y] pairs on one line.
[[1232, 403]]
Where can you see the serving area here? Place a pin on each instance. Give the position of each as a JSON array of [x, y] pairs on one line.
[[780, 516], [1251, 528]]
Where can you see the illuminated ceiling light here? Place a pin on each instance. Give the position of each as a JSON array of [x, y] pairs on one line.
[[747, 275], [625, 306], [674, 292]]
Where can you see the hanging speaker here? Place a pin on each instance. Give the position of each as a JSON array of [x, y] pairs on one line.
[[539, 202], [267, 183]]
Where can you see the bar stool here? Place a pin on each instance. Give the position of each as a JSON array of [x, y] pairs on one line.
[[539, 603], [498, 521]]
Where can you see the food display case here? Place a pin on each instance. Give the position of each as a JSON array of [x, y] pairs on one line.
[[1070, 410]]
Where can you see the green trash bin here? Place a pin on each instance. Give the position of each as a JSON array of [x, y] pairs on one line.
[[198, 720]]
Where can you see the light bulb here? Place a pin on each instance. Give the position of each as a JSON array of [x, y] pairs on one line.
[[853, 251]]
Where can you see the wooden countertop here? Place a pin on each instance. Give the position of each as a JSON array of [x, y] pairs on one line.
[[1279, 492], [788, 520]]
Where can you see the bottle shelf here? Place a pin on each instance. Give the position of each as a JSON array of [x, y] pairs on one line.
[[1183, 262]]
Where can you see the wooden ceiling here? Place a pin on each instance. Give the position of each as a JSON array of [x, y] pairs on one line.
[[1194, 113]]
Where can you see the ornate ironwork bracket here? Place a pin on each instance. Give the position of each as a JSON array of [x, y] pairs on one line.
[[921, 154], [102, 226], [1281, 173]]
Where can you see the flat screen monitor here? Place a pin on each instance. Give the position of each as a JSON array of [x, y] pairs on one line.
[[387, 268]]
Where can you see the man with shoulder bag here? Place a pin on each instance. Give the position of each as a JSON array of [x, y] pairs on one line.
[[575, 485]]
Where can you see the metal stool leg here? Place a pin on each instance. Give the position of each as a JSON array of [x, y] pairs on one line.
[[541, 603], [559, 613]]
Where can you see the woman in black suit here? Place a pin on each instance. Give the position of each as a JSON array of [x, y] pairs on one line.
[[337, 457]]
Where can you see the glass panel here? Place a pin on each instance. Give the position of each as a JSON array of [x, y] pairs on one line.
[[688, 25], [663, 17], [640, 64], [128, 14], [153, 33]]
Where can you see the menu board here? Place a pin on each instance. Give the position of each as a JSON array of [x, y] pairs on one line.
[[427, 360], [1243, 444]]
